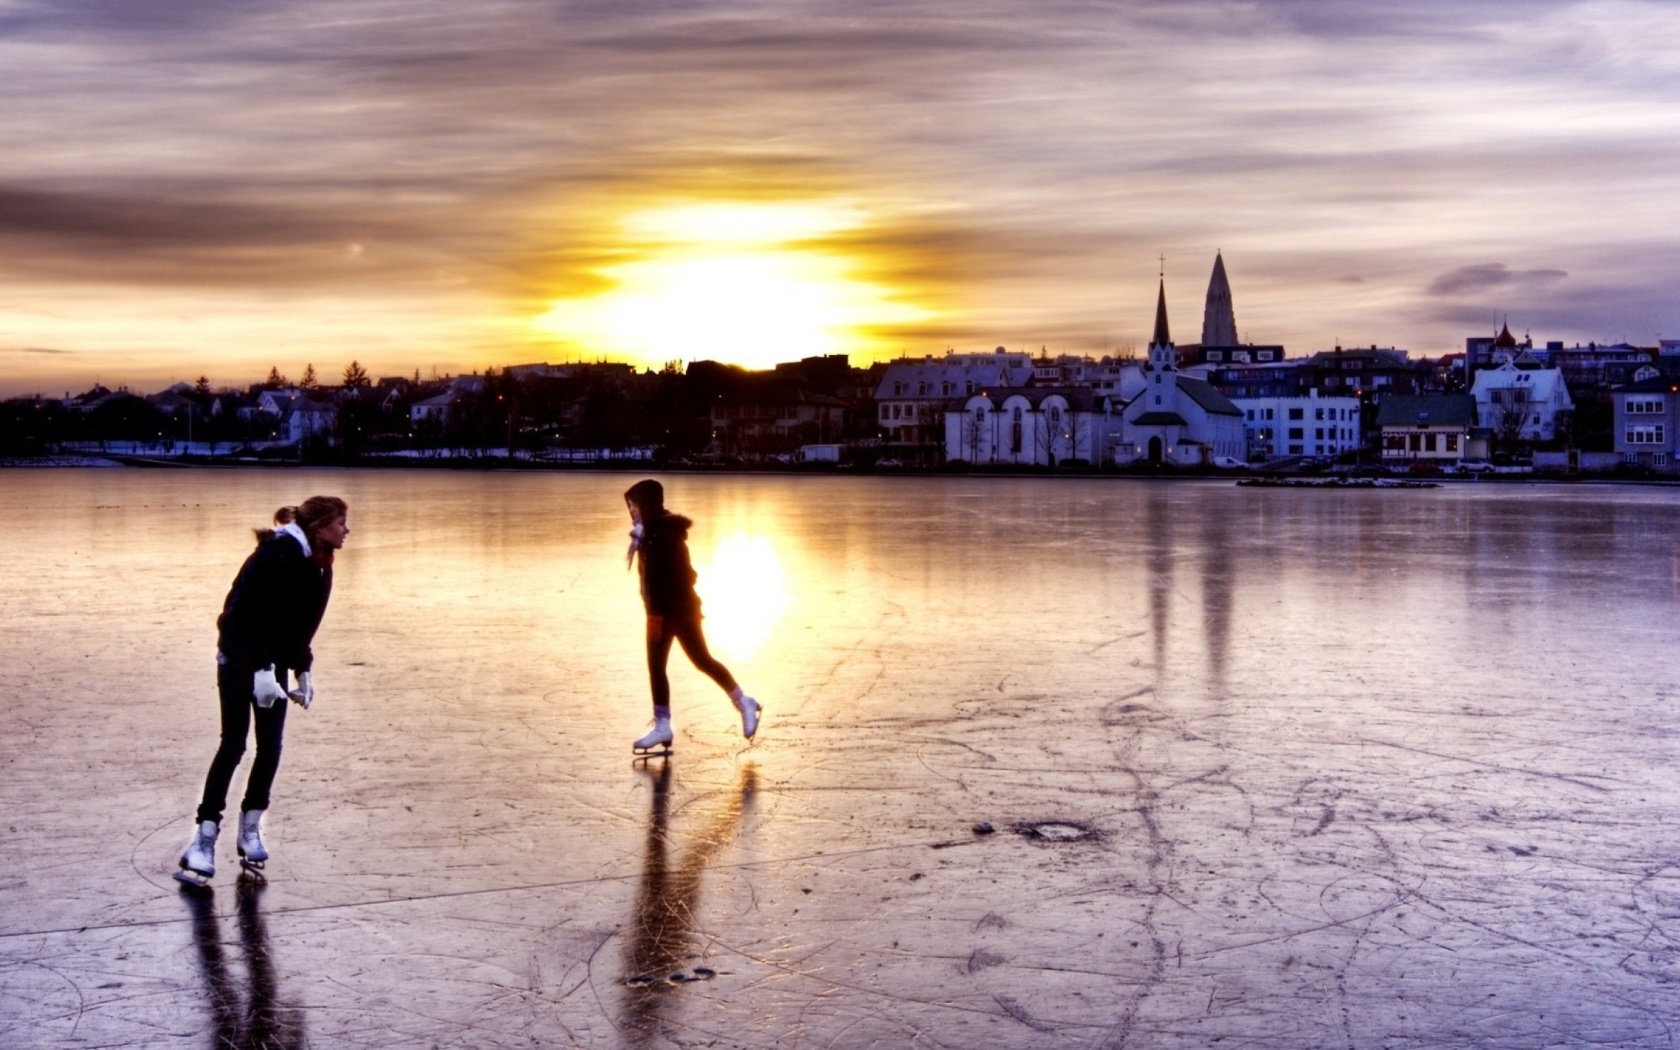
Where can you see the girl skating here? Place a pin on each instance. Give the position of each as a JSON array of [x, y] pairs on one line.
[[659, 547], [267, 623]]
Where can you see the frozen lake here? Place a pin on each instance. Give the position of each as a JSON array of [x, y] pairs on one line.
[[1311, 768]]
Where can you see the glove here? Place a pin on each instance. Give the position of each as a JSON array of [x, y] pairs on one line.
[[304, 694], [635, 542], [266, 688]]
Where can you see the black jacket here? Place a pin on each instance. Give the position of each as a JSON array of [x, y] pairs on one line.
[[667, 575], [274, 607]]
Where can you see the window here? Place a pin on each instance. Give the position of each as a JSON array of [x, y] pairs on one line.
[[1015, 430], [1297, 413], [1318, 432], [1216, 355], [1452, 442], [1264, 355], [1295, 434], [1318, 413], [1644, 406], [886, 412], [898, 389], [968, 387], [1650, 434]]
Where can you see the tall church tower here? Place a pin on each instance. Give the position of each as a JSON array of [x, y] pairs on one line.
[[1219, 318], [1160, 371]]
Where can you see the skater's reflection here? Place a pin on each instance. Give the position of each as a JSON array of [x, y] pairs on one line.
[[260, 1021], [663, 949]]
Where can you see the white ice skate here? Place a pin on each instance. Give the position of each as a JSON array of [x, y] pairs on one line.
[[657, 742], [198, 860], [750, 710], [252, 853]]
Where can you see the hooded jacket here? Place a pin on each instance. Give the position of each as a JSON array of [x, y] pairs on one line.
[[276, 604], [666, 572]]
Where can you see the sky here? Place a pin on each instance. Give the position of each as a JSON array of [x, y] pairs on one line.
[[211, 189]]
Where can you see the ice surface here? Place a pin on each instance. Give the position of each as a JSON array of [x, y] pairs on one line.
[[1264, 768]]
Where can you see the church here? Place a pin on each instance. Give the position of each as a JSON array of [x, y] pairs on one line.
[[1177, 420]]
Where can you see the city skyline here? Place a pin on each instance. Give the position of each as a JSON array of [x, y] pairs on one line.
[[212, 191]]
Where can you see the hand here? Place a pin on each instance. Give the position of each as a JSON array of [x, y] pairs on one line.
[[304, 694], [265, 688], [635, 542]]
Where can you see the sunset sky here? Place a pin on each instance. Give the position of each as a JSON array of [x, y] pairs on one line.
[[207, 188]]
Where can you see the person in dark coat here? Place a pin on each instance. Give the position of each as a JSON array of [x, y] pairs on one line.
[[267, 624], [659, 547]]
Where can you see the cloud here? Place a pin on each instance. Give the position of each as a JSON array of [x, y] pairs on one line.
[[1484, 277]]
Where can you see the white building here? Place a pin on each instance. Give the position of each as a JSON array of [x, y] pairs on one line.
[[1176, 420], [1520, 403], [1029, 426], [1313, 425]]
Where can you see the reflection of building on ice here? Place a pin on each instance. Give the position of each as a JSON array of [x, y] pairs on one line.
[[1177, 420]]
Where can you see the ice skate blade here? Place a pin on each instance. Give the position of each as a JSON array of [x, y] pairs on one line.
[[192, 879], [255, 867], [642, 754]]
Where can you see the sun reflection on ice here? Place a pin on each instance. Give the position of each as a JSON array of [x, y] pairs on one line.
[[744, 592]]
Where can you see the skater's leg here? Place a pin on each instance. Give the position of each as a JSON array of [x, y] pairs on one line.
[[693, 641], [233, 686], [658, 656], [271, 731]]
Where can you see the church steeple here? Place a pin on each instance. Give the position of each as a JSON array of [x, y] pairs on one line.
[[1161, 337], [1219, 318]]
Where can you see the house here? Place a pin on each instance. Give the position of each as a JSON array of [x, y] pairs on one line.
[[1647, 422], [1176, 420], [1029, 426], [307, 419], [1313, 425], [1520, 401], [762, 413], [913, 395], [1361, 371], [1437, 429]]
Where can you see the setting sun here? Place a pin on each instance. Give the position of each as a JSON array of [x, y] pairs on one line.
[[746, 594], [749, 284]]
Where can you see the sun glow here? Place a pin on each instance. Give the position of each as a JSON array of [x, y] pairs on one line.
[[745, 594], [748, 284]]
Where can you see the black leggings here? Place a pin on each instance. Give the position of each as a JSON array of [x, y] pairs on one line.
[[661, 631], [233, 683]]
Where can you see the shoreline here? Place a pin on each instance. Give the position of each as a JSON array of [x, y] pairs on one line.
[[1255, 478]]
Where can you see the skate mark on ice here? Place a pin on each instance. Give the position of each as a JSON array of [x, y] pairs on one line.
[[1019, 1013], [1112, 712], [981, 959], [1516, 770], [1100, 646]]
